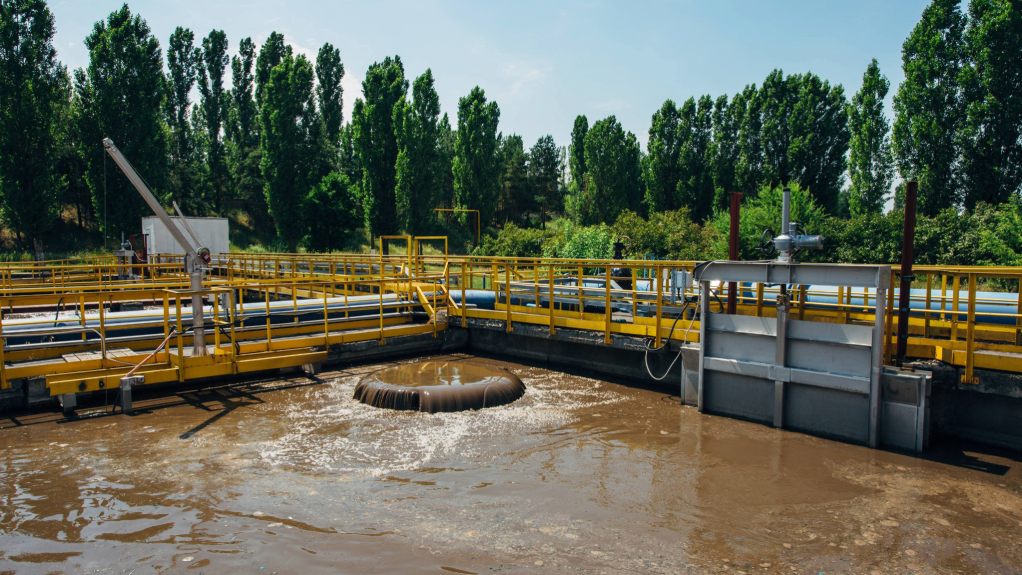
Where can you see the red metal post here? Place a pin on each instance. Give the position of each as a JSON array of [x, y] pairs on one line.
[[905, 292], [733, 255]]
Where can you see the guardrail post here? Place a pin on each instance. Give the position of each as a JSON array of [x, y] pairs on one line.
[[326, 323], [606, 309], [926, 315], [955, 287], [888, 320], [507, 295], [180, 342], [970, 332], [3, 366], [1018, 320], [658, 274], [550, 302]]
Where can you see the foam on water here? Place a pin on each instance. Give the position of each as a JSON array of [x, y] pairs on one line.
[[331, 432]]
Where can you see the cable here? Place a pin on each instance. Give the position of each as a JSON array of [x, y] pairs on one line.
[[666, 342]]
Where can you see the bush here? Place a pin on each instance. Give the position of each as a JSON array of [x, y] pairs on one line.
[[580, 242], [670, 235], [513, 242]]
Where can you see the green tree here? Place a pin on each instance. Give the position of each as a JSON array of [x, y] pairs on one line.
[[289, 132], [804, 134], [695, 160], [30, 100], [417, 126], [819, 139], [577, 149], [331, 212], [273, 51], [725, 151], [749, 172], [928, 106], [186, 174], [661, 168], [992, 89], [122, 95], [376, 143], [448, 138], [870, 162], [215, 106], [476, 163], [612, 178], [242, 134], [515, 194], [544, 176], [348, 159], [329, 93], [68, 162]]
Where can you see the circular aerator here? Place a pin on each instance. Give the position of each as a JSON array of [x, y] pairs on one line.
[[435, 386]]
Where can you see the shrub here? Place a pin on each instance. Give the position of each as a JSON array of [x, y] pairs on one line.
[[513, 242], [670, 235]]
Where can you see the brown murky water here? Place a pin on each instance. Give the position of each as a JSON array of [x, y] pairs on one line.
[[579, 475]]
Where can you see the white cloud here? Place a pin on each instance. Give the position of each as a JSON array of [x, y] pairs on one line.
[[522, 77], [299, 49], [352, 86]]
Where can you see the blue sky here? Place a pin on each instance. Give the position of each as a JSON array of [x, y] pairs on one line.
[[546, 62]]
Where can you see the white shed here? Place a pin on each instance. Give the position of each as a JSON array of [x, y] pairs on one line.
[[212, 233]]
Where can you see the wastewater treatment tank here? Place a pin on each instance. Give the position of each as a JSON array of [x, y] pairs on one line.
[[439, 386]]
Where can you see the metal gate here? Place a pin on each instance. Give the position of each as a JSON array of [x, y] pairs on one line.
[[821, 378]]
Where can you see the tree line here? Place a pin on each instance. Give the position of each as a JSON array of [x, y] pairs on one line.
[[267, 136]]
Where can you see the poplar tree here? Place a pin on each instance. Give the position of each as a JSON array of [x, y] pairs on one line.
[[448, 138], [242, 135], [870, 162], [329, 93], [725, 150], [818, 128], [928, 107], [215, 104], [749, 172], [417, 126], [991, 133], [661, 166], [186, 174], [515, 197], [30, 81], [375, 143], [289, 124], [272, 52], [613, 175], [476, 164], [544, 175], [695, 162], [577, 151], [803, 135], [122, 94]]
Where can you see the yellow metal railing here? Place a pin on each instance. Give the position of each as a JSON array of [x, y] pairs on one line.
[[953, 321]]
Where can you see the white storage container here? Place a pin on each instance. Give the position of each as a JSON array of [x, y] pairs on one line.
[[212, 233]]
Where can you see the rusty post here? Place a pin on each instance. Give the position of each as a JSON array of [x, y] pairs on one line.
[[732, 287], [905, 292]]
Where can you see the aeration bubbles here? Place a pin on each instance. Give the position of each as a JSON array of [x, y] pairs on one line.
[[440, 385]]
